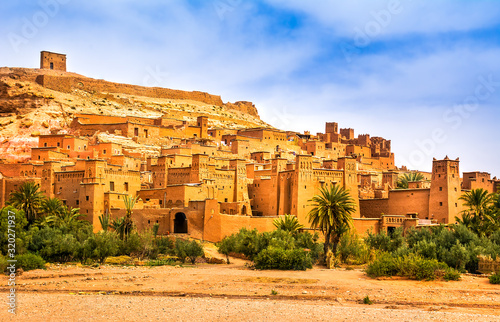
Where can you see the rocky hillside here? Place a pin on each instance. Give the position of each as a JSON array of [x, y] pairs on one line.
[[34, 101]]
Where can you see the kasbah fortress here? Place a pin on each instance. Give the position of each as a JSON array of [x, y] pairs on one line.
[[199, 166]]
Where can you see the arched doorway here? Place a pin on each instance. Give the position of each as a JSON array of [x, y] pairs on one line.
[[180, 223]]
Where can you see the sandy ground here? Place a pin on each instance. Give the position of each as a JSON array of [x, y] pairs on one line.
[[237, 293]]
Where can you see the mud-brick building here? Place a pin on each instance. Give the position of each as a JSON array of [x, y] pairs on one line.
[[440, 203]]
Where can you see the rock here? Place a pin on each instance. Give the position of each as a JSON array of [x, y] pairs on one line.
[[26, 123], [45, 124]]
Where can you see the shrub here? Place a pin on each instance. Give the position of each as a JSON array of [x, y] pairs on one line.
[[384, 242], [160, 262], [352, 250], [306, 240], [410, 266], [130, 245], [3, 263], [495, 278], [180, 249], [194, 250], [166, 245], [98, 247], [278, 258], [248, 242], [384, 265], [416, 267], [52, 245], [451, 275], [227, 245], [30, 261], [119, 260], [366, 300], [16, 225]]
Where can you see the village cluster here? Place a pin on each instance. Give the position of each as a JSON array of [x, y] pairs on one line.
[[209, 182]]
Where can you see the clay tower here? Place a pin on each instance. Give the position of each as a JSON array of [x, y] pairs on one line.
[[445, 191]]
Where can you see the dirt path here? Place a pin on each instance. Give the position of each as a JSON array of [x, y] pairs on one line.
[[235, 292]]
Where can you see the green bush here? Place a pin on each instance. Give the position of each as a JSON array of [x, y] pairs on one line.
[[194, 250], [384, 242], [251, 243], [3, 263], [180, 249], [495, 278], [17, 226], [451, 274], [98, 247], [29, 261], [227, 246], [383, 265], [418, 268], [130, 245], [160, 262], [284, 259], [352, 250], [411, 266], [166, 245], [52, 245], [188, 249], [306, 240]]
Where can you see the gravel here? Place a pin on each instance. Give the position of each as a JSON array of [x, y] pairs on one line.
[[63, 307]]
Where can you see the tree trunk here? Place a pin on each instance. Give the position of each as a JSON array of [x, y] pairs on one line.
[[326, 246]]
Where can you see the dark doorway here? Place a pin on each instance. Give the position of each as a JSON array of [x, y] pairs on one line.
[[180, 223], [51, 65], [391, 230]]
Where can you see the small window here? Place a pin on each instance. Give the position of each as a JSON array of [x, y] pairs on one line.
[[87, 198], [440, 188], [77, 202], [51, 65], [45, 144], [69, 147], [104, 151], [126, 187], [111, 186], [58, 144], [440, 203]]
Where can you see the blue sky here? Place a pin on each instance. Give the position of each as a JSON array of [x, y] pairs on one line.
[[424, 74]]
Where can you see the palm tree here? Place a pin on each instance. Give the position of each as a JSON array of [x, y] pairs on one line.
[[52, 207], [288, 223], [479, 202], [119, 227], [128, 224], [64, 219], [409, 177], [104, 220], [482, 216], [27, 199], [332, 212]]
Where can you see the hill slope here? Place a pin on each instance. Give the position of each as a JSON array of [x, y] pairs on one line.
[[35, 101]]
